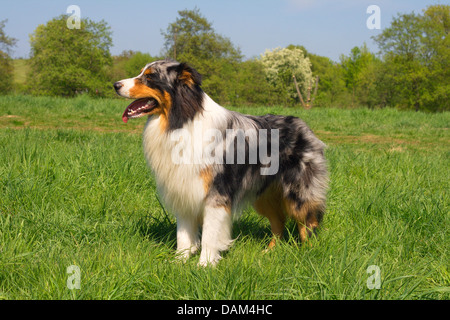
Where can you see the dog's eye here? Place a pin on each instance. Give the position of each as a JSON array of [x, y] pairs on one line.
[[151, 76]]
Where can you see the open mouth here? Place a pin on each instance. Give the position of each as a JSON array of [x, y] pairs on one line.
[[139, 108]]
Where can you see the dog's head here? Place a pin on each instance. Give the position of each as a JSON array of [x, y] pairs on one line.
[[164, 87]]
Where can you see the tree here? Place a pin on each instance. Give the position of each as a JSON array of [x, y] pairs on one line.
[[6, 67], [193, 35], [280, 65], [251, 87], [128, 64], [369, 85], [136, 62], [6, 73], [192, 39], [402, 48], [417, 49], [66, 61], [118, 72], [331, 86], [360, 73], [436, 39]]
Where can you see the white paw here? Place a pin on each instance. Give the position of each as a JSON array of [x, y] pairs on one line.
[[210, 260], [183, 255]]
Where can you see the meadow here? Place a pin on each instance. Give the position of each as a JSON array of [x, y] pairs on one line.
[[75, 191]]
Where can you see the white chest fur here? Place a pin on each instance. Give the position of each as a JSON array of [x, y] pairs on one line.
[[180, 184]]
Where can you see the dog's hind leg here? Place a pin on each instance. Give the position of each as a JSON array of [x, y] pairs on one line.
[[270, 206], [307, 214], [216, 234], [305, 194]]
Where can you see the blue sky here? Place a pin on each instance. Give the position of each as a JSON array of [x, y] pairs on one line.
[[325, 27]]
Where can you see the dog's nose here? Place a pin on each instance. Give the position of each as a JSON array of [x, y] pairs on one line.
[[118, 85]]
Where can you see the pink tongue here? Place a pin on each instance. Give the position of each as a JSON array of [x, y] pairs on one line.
[[135, 104]]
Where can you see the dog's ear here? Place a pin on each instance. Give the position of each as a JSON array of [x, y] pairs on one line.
[[189, 75]]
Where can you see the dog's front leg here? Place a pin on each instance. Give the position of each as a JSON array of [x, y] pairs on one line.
[[188, 240], [216, 234]]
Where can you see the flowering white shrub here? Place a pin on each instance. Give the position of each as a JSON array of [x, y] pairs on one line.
[[280, 64]]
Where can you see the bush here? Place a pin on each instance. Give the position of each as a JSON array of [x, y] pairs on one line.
[[6, 73], [71, 60]]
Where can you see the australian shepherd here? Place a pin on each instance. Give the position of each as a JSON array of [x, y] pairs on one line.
[[210, 162]]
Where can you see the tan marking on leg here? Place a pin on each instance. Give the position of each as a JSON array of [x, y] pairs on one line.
[[306, 216], [269, 205]]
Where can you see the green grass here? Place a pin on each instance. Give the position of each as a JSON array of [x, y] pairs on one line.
[[75, 190]]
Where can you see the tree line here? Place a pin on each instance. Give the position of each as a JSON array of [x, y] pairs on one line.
[[410, 71]]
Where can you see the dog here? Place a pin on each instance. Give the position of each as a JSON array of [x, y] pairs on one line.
[[205, 186]]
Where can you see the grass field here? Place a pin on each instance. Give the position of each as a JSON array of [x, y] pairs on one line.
[[75, 190]]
